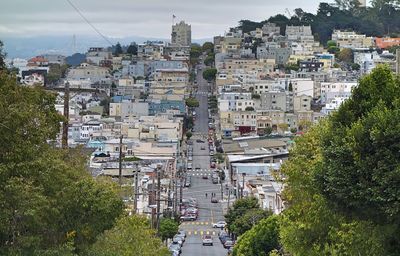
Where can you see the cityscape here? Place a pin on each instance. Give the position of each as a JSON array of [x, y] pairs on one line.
[[278, 137]]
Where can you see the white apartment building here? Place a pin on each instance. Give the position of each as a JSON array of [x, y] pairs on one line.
[[329, 91], [181, 34]]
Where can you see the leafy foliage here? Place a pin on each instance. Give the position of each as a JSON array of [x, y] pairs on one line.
[[341, 179], [209, 74], [48, 198], [130, 236], [192, 102], [168, 228], [238, 209], [259, 240]]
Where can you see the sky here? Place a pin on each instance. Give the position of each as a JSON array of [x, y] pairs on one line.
[[146, 18]]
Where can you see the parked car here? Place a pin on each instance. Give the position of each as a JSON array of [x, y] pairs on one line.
[[189, 142], [175, 248], [219, 224], [188, 182], [189, 217], [222, 233], [229, 243], [211, 153], [177, 240], [202, 148], [199, 141], [207, 240], [214, 200], [205, 176], [182, 233], [224, 238], [214, 180], [213, 165]]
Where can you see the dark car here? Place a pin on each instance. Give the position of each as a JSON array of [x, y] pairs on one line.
[[214, 200], [199, 141]]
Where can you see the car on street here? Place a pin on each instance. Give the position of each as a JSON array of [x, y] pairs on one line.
[[214, 200], [224, 238], [207, 240], [189, 142], [182, 233], [205, 177], [213, 165], [177, 240], [219, 224], [199, 141], [229, 244], [211, 153], [189, 217], [175, 248], [203, 148], [189, 166], [197, 167]]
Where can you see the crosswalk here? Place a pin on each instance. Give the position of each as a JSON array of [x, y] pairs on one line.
[[201, 172], [201, 232], [192, 223], [201, 93]]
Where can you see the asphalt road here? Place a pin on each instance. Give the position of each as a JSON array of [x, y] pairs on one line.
[[208, 212]]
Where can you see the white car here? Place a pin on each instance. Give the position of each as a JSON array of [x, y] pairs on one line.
[[219, 224], [207, 240]]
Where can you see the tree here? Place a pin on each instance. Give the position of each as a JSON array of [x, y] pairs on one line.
[[192, 102], [168, 228], [209, 60], [239, 208], [130, 236], [208, 47], [249, 108], [118, 49], [362, 149], [268, 130], [188, 135], [46, 193], [342, 196], [132, 49], [355, 67], [261, 239], [293, 130], [209, 74], [345, 55], [248, 220], [56, 72]]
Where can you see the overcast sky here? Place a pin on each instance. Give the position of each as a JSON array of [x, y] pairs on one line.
[[148, 18]]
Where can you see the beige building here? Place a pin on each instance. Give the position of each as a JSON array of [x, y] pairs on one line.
[[352, 40], [181, 34]]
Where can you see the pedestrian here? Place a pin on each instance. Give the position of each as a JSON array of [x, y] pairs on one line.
[[206, 195]]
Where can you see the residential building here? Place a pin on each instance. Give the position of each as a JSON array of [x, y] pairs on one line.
[[352, 40], [181, 34], [96, 55], [386, 42], [330, 91]]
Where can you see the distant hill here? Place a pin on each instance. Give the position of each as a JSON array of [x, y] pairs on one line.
[[26, 47]]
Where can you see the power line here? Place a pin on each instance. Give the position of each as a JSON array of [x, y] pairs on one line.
[[88, 22]]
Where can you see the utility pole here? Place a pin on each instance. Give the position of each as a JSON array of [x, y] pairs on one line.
[[244, 175], [158, 196], [120, 160], [153, 196], [135, 206], [176, 190], [181, 195], [64, 140]]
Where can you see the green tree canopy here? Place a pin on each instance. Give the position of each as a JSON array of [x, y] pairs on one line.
[[208, 47], [192, 102], [130, 236], [118, 49], [132, 49], [248, 220], [239, 208], [260, 239], [168, 228], [341, 177], [209, 74]]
